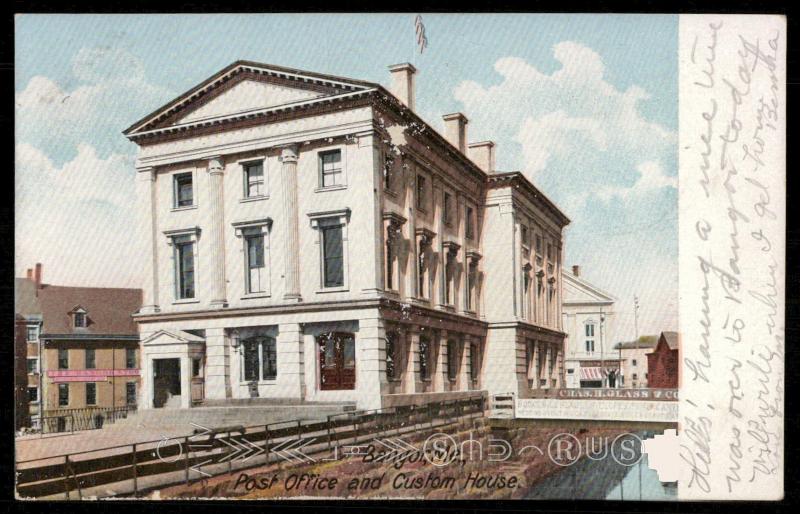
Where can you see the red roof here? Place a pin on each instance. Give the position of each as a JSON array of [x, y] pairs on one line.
[[108, 310]]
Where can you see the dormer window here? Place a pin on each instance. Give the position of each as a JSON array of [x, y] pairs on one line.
[[79, 318]]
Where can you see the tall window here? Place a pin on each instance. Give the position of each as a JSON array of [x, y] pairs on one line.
[[256, 266], [79, 319], [32, 333], [91, 393], [452, 360], [525, 236], [332, 256], [470, 223], [130, 393], [588, 329], [254, 179], [90, 363], [424, 355], [130, 358], [472, 277], [260, 358], [388, 164], [183, 190], [474, 361], [63, 395], [33, 365], [449, 275], [184, 254], [526, 293], [63, 358], [422, 192], [391, 351], [447, 210], [423, 270], [391, 235], [33, 394], [331, 168]]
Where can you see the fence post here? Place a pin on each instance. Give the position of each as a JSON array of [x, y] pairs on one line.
[[186, 460], [230, 461], [299, 428], [66, 476], [135, 474], [329, 432], [266, 444]]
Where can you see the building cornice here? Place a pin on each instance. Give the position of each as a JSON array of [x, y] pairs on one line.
[[93, 337], [517, 181], [215, 82]]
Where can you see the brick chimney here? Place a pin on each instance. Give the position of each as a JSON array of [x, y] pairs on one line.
[[482, 154], [37, 277], [576, 270], [29, 274], [455, 130], [403, 83]]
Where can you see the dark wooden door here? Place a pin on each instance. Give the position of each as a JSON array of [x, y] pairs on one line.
[[337, 361]]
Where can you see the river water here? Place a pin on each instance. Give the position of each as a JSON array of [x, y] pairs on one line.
[[605, 479]]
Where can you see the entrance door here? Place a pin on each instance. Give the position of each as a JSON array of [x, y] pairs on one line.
[[166, 380], [337, 361]]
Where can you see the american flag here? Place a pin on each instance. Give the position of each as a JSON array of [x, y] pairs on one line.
[[422, 41]]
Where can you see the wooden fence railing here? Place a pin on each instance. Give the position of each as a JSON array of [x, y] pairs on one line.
[[76, 472]]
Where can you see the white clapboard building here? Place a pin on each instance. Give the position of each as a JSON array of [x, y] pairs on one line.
[[591, 358]]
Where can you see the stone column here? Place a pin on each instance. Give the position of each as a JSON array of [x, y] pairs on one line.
[[186, 382], [216, 169], [289, 156], [412, 259], [412, 379], [291, 375], [145, 400], [149, 212], [548, 356], [536, 370], [217, 372], [464, 379], [439, 378], [371, 362]]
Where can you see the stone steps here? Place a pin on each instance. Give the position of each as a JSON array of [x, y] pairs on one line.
[[229, 415]]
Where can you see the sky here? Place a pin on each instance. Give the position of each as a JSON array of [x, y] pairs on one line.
[[585, 105]]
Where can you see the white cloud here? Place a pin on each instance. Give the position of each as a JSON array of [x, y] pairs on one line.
[[112, 87], [79, 220], [587, 144], [571, 120], [651, 178]]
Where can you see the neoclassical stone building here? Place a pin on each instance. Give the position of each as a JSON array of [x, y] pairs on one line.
[[311, 238]]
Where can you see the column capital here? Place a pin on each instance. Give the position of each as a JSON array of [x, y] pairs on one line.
[[146, 173], [216, 164], [289, 153]]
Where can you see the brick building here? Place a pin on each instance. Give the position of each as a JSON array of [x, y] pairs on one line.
[[81, 345], [662, 362], [27, 326]]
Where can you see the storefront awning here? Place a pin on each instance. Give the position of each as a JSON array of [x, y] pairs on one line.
[[591, 374]]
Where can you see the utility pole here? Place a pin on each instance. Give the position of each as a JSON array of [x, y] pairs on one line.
[[636, 330], [603, 377]]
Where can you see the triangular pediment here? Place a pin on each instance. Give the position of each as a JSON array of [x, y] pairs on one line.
[[578, 291], [247, 95], [170, 337], [246, 87]]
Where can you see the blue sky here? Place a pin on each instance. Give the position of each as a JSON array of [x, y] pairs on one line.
[[586, 105]]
